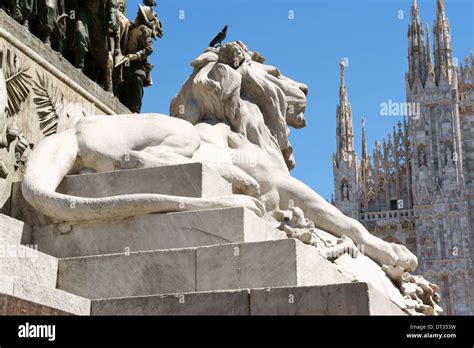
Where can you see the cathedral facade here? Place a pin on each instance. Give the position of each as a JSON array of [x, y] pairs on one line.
[[417, 187]]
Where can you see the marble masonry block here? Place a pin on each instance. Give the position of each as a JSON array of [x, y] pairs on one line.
[[286, 262], [335, 299], [44, 296], [234, 302], [222, 267], [153, 232], [13, 231], [129, 274], [27, 263], [188, 180], [12, 305], [365, 270]]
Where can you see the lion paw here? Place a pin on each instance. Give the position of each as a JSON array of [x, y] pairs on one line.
[[246, 185], [393, 254]]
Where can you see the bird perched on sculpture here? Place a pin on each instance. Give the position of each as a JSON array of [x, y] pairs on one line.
[[217, 41]]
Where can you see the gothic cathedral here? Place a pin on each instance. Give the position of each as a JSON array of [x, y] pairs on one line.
[[417, 188]]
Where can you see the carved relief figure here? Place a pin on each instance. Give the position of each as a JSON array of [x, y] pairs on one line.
[[427, 244], [422, 158], [448, 154], [345, 191]]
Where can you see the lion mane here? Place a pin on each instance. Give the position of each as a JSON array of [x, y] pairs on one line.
[[232, 85]]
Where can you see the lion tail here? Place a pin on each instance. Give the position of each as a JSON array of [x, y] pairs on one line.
[[54, 158]]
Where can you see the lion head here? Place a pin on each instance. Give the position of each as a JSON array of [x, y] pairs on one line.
[[232, 85]]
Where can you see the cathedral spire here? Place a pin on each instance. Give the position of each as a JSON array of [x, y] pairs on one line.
[[364, 142], [429, 62], [416, 48], [444, 67], [415, 12], [345, 132], [342, 87]]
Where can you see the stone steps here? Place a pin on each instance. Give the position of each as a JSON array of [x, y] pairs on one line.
[[187, 180], [208, 262], [20, 290], [334, 299], [28, 277], [153, 232], [222, 267], [230, 302], [13, 231], [20, 261]]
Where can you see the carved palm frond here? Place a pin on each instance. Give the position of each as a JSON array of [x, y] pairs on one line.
[[48, 103], [18, 82]]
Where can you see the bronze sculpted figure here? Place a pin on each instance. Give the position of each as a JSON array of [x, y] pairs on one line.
[[98, 38], [137, 47], [49, 22], [121, 38], [19, 10], [94, 39]]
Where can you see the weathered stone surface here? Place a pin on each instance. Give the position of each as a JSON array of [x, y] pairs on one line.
[[45, 296], [200, 303], [135, 274], [335, 299], [153, 232], [13, 231], [11, 305], [221, 267], [436, 196], [21, 210], [266, 264], [28, 264], [364, 270], [187, 180]]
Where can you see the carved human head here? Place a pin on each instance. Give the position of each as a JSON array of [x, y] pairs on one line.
[[122, 6]]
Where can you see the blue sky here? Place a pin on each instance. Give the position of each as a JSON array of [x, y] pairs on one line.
[[308, 48]]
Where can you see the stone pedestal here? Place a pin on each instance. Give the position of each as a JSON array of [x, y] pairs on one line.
[[208, 262]]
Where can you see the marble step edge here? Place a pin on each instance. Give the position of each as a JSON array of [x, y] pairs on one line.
[[45, 296]]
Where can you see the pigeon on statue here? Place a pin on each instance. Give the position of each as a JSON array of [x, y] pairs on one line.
[[217, 41]]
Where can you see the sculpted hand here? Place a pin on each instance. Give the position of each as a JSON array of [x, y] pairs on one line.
[[132, 57], [113, 27]]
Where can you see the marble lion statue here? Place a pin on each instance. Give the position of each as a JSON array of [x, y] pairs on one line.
[[232, 114]]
